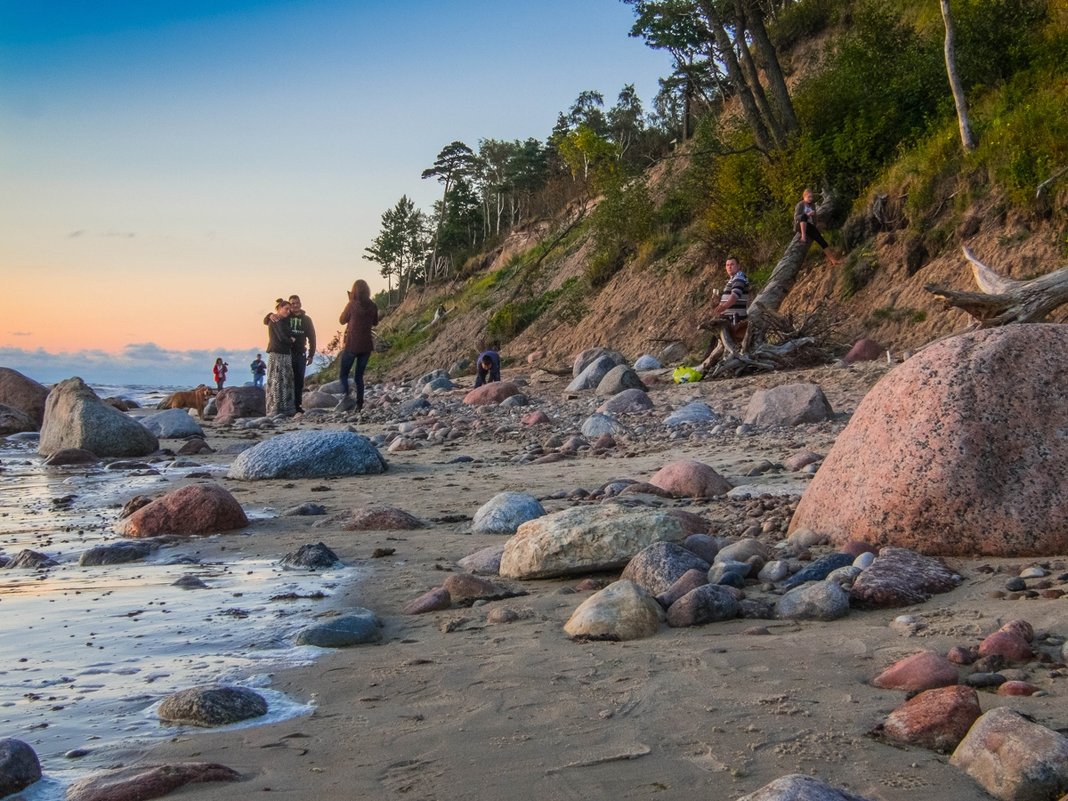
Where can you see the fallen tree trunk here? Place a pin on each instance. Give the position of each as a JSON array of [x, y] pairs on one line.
[[1003, 300], [771, 342]]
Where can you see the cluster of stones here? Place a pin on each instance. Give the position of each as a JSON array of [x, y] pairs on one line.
[[1009, 755]]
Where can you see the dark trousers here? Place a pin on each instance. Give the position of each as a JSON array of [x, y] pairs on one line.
[[300, 362], [360, 360], [812, 233]]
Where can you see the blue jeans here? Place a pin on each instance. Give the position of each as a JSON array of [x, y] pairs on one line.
[[360, 360]]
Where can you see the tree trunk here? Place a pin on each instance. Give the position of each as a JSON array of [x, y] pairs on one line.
[[772, 69], [793, 346], [752, 77], [967, 138], [1002, 300], [737, 79]]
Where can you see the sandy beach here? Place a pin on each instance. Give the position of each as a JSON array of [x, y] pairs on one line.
[[454, 706]]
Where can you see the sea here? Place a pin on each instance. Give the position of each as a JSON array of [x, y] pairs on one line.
[[88, 653]]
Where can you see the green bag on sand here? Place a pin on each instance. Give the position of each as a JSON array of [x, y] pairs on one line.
[[686, 375]]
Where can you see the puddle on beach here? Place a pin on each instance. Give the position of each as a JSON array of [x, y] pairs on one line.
[[87, 653]]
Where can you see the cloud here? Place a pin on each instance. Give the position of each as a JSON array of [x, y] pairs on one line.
[[138, 363], [21, 334], [76, 234]]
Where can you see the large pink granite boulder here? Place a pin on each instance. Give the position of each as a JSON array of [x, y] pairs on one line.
[[937, 719], [961, 450], [193, 509]]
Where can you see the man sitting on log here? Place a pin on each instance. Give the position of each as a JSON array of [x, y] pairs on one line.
[[732, 309]]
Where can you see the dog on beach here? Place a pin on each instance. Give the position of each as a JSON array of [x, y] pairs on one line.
[[189, 399]]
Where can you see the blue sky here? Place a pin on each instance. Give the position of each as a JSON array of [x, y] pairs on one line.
[[186, 163]]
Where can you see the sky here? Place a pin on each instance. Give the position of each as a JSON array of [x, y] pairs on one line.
[[170, 167]]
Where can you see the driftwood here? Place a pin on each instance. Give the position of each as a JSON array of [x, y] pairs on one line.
[[1003, 300], [772, 341]]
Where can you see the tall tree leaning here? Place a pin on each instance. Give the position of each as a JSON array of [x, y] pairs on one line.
[[967, 137]]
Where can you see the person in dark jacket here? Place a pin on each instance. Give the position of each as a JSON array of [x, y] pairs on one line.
[[359, 316], [805, 225], [488, 368], [300, 326], [280, 363]]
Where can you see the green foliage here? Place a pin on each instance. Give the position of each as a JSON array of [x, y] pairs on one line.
[[515, 316], [622, 220], [800, 20], [894, 315], [570, 306], [1024, 135], [856, 272]]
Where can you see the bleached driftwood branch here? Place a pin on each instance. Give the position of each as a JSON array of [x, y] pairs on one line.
[[1003, 300]]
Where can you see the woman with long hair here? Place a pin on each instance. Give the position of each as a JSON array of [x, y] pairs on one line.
[[280, 398], [360, 315]]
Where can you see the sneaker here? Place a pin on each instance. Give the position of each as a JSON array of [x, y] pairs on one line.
[[346, 404]]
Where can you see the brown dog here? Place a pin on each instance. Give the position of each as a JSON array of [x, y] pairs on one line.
[[190, 399]]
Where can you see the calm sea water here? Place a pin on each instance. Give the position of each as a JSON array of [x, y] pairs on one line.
[[87, 653]]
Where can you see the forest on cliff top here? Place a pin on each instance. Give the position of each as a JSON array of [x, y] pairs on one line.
[[612, 230]]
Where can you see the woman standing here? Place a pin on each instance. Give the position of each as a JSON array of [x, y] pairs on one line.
[[280, 363], [360, 315], [219, 372]]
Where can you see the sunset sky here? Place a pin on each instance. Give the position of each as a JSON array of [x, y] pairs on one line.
[[169, 168]]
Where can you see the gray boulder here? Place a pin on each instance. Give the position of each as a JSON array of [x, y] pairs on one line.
[[583, 539], [24, 394], [621, 611], [820, 600], [709, 603], [692, 414], [76, 418], [115, 553], [618, 379], [788, 405], [629, 401], [658, 566], [505, 512], [173, 424], [310, 557], [598, 424], [359, 626], [308, 454], [591, 376], [19, 765], [590, 355], [647, 362], [797, 787], [212, 705], [15, 421]]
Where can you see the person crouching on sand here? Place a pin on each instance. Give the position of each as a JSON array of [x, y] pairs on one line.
[[280, 364], [360, 315]]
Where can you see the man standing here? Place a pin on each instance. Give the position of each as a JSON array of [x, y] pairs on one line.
[[303, 333], [259, 370], [300, 326]]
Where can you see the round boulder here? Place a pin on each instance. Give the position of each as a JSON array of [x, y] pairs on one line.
[[688, 478], [24, 394], [308, 454], [961, 450], [505, 512], [193, 509], [19, 766], [76, 418], [213, 705]]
